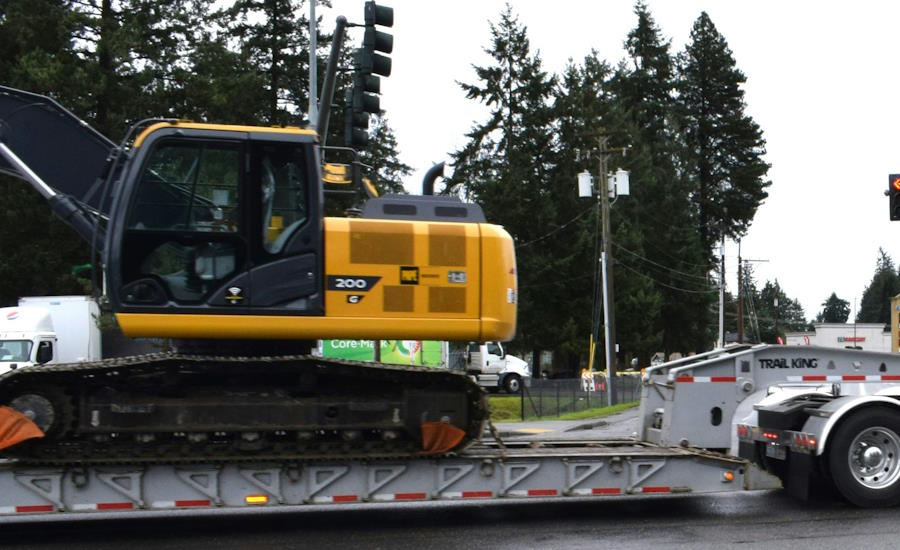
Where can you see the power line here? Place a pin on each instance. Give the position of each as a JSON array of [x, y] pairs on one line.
[[672, 270], [660, 283], [558, 229]]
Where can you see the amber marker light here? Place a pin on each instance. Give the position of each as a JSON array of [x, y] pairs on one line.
[[256, 499]]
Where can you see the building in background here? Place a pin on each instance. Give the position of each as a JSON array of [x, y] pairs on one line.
[[867, 336]]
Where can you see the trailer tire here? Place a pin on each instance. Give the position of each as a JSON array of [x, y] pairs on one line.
[[512, 383], [864, 457]]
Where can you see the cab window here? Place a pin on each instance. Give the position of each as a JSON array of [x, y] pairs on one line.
[[284, 191], [184, 226], [189, 186]]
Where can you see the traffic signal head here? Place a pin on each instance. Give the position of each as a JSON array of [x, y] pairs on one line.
[[379, 15], [367, 61], [362, 99], [356, 124], [894, 195]]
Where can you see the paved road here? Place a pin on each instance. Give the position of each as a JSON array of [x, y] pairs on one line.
[[749, 520]]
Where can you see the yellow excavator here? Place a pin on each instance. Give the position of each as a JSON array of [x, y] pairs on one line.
[[214, 236]]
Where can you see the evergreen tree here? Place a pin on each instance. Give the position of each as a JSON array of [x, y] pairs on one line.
[[39, 251], [723, 147], [581, 106], [662, 229], [272, 37], [506, 164], [778, 314], [834, 310], [382, 154], [875, 306]]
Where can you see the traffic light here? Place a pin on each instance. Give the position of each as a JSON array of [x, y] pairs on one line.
[[362, 99], [377, 41], [894, 195]]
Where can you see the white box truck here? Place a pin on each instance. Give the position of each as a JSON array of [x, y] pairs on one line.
[[49, 329]]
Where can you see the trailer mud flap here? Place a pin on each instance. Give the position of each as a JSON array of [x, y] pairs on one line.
[[15, 428]]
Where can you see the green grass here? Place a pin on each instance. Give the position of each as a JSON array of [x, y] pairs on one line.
[[508, 408]]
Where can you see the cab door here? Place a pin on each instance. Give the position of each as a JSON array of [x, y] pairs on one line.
[[218, 222]]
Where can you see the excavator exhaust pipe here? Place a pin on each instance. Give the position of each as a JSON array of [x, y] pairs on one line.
[[431, 175]]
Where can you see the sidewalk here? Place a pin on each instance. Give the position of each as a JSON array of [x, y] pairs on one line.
[[623, 424]]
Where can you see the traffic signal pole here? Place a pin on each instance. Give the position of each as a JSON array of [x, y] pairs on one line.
[[337, 42]]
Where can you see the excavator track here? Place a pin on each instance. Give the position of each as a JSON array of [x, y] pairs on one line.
[[188, 408]]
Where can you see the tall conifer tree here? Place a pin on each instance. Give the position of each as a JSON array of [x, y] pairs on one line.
[[506, 164], [723, 146]]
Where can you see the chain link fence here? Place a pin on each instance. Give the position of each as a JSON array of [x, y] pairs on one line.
[[556, 397]]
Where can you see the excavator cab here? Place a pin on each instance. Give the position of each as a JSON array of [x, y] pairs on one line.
[[210, 219], [213, 233]]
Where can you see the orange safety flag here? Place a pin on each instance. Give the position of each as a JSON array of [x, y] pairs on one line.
[[440, 437], [15, 428]]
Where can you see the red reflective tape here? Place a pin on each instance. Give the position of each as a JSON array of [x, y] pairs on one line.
[[409, 496], [815, 378], [542, 492], [723, 379], [606, 491], [890, 377], [191, 503], [655, 489], [685, 379], [34, 508], [477, 494], [344, 498], [115, 506], [855, 377]]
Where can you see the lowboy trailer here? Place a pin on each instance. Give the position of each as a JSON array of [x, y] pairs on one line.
[[733, 419]]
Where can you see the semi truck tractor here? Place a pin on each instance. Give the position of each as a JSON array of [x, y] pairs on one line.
[[493, 369], [45, 330]]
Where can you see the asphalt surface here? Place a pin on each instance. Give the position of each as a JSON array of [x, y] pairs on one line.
[[623, 424]]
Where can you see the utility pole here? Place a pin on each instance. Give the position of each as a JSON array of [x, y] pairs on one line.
[[722, 293], [609, 303], [740, 298], [602, 191]]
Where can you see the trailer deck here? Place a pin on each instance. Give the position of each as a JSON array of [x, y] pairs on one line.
[[518, 469]]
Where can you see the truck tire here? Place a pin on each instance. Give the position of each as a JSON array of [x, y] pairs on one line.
[[864, 457], [512, 383]]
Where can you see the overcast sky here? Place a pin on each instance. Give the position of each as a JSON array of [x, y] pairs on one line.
[[822, 83]]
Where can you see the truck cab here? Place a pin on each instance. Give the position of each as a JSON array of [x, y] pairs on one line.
[[493, 369], [49, 329], [26, 337]]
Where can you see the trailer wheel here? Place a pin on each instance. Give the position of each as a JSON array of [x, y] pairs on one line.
[[512, 383], [864, 457]]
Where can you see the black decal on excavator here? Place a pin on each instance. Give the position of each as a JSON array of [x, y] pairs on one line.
[[409, 275], [355, 283]]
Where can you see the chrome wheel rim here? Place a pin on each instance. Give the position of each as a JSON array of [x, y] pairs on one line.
[[874, 457]]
